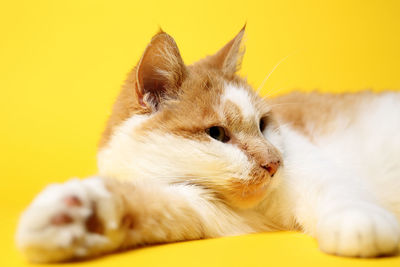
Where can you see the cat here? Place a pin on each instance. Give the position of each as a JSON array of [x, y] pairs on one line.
[[193, 152]]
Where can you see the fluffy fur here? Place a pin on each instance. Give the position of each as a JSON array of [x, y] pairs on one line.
[[327, 165]]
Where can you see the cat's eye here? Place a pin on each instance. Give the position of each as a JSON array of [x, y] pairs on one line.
[[218, 133], [262, 124]]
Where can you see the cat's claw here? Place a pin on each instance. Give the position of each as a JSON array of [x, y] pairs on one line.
[[71, 220], [364, 231]]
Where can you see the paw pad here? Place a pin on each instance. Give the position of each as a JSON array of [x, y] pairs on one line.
[[61, 219]]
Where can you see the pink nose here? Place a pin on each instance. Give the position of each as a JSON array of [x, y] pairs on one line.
[[272, 167]]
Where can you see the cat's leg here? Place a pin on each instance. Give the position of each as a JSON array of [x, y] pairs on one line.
[[344, 217], [356, 227], [334, 205], [342, 214], [84, 218]]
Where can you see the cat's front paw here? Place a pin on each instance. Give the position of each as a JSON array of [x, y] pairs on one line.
[[76, 219], [360, 231]]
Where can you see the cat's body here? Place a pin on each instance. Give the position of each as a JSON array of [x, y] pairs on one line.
[[193, 152]]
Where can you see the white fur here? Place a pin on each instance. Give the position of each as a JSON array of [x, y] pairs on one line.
[[240, 97]]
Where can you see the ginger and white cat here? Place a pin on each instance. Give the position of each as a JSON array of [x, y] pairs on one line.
[[193, 152]]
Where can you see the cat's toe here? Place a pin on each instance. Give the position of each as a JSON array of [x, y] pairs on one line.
[[364, 231]]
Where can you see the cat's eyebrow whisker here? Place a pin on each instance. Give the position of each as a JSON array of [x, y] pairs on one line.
[[270, 73]]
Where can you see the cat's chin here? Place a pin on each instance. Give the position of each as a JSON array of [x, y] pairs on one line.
[[246, 194]]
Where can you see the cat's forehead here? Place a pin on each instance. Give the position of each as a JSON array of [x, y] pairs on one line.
[[209, 101], [214, 89], [236, 97]]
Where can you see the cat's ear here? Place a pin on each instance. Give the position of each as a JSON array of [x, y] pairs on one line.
[[229, 58], [160, 72]]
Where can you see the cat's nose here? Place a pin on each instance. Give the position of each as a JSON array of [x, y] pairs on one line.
[[271, 167]]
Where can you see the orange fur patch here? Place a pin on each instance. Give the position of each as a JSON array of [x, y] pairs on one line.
[[316, 113]]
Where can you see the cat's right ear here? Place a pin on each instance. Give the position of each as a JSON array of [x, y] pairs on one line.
[[229, 58], [160, 72]]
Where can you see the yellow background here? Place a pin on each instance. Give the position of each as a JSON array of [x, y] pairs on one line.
[[62, 63]]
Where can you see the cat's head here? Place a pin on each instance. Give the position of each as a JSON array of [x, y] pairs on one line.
[[199, 124]]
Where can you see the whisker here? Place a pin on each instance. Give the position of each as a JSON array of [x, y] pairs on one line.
[[270, 73]]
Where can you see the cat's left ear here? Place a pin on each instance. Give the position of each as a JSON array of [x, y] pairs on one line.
[[160, 72], [229, 58]]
